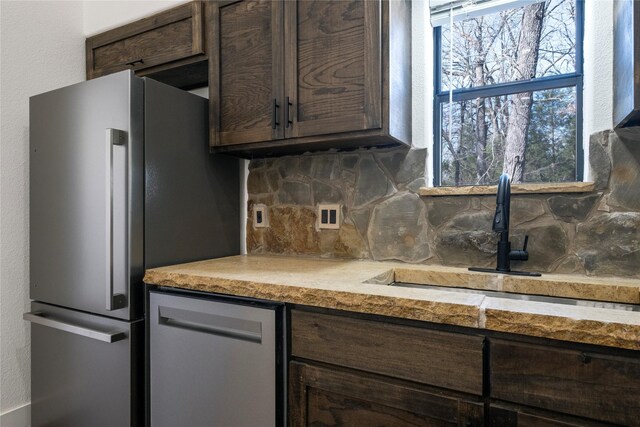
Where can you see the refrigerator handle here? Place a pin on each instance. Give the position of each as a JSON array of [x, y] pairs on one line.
[[39, 318], [116, 138]]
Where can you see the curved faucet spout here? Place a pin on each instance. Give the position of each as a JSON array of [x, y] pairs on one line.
[[501, 225], [503, 201]]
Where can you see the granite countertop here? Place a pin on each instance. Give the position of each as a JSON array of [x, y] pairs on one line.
[[362, 286]]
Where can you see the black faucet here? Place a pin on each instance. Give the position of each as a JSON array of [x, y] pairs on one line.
[[501, 225]]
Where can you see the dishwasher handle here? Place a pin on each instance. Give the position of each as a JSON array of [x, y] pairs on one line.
[[40, 318], [230, 327]]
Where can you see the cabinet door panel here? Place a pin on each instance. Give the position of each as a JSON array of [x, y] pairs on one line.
[[246, 72], [519, 417], [159, 40], [589, 385], [333, 68], [320, 396], [331, 409], [447, 360]]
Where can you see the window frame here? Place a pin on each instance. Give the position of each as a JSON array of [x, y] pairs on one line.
[[536, 84]]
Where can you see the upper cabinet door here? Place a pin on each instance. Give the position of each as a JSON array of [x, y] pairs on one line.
[[332, 66], [245, 80], [149, 44]]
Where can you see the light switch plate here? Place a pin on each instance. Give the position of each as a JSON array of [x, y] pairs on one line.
[[260, 216], [329, 216]]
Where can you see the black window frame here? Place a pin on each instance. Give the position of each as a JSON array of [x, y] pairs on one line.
[[541, 83]]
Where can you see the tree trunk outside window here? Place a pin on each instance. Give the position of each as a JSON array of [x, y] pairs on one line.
[[481, 125], [520, 114]]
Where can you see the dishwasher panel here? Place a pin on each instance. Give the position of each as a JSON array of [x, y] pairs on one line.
[[212, 363]]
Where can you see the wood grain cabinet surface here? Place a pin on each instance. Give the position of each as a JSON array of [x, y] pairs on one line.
[[442, 359], [501, 416], [169, 46], [595, 386], [289, 76], [348, 371], [322, 396]]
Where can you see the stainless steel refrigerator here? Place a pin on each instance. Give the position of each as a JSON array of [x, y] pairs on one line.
[[121, 179]]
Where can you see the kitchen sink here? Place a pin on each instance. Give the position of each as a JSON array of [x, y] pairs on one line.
[[525, 297], [557, 288]]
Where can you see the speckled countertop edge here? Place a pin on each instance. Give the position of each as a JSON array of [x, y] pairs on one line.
[[346, 285]]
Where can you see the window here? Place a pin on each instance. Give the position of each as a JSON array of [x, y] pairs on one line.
[[508, 93]]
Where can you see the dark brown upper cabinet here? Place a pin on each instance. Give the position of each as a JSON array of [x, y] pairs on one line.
[[626, 56], [246, 86], [333, 67], [168, 46], [292, 76]]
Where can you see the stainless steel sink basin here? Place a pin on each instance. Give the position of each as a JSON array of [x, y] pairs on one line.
[[525, 297], [561, 289]]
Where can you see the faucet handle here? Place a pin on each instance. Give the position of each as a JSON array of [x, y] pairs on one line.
[[522, 255]]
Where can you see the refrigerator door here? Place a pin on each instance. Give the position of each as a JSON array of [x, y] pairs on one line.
[[86, 194], [82, 369]]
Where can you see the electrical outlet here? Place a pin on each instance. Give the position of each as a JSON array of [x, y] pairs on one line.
[[329, 216], [260, 217]]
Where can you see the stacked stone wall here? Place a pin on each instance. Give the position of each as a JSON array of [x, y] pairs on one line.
[[384, 218]]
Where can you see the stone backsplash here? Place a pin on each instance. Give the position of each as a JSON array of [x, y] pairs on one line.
[[594, 233]]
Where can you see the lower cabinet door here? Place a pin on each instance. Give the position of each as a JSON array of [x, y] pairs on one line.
[[566, 381], [503, 417], [212, 363], [321, 396]]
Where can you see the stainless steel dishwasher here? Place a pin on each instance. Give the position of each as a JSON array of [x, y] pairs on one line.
[[215, 361]]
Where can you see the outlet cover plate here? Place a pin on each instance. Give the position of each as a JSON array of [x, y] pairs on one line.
[[260, 216], [329, 216]]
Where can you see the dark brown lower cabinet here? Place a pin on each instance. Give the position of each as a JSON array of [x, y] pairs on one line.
[[503, 417], [349, 370], [323, 396], [591, 385]]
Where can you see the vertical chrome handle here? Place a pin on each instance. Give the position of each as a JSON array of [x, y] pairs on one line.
[[116, 139]]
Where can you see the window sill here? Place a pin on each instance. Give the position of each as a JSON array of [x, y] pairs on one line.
[[538, 188]]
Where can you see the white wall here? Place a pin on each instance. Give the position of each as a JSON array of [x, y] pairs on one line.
[[422, 80], [42, 48], [598, 71], [100, 15]]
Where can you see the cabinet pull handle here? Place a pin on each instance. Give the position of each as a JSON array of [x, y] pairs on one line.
[[287, 107], [132, 63], [274, 120], [585, 358]]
